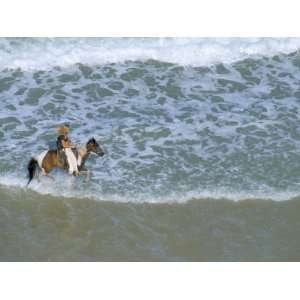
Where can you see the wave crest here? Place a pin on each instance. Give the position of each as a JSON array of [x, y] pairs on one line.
[[45, 53], [65, 188]]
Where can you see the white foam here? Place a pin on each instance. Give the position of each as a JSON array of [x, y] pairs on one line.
[[142, 164], [68, 188], [41, 53], [13, 181]]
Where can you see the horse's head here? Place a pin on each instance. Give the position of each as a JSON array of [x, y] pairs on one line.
[[93, 146]]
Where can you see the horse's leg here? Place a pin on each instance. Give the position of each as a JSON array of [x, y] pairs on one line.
[[50, 176], [88, 175], [47, 174], [38, 176]]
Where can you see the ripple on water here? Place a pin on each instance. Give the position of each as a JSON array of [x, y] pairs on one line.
[[164, 126]]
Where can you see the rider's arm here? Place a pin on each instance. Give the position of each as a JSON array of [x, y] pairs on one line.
[[59, 142]]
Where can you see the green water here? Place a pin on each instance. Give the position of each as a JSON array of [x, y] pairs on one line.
[[35, 228]]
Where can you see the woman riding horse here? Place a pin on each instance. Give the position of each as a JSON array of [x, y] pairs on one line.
[[44, 162], [64, 149]]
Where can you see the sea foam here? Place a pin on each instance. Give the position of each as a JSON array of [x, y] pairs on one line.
[[45, 53]]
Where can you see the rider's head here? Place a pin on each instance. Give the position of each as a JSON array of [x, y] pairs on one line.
[[63, 129]]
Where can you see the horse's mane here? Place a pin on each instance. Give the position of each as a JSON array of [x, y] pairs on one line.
[[91, 140]]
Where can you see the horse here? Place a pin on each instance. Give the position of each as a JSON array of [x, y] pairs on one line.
[[49, 159]]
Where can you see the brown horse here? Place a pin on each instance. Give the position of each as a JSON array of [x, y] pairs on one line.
[[49, 159]]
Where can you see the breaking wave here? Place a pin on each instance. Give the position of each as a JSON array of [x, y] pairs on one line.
[[45, 53]]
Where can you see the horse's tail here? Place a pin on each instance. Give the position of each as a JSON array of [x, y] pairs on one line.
[[32, 165]]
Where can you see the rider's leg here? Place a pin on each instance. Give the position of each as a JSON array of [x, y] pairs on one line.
[[73, 169]]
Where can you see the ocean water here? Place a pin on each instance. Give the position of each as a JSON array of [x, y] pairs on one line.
[[202, 139]]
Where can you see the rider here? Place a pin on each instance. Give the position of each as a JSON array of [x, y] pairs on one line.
[[64, 149]]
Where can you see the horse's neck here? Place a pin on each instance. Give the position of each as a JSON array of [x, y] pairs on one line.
[[83, 153]]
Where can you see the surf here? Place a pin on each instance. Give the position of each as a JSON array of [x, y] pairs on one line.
[[27, 54], [172, 131]]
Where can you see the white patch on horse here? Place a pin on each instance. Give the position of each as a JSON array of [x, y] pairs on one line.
[[40, 158], [71, 160], [79, 160]]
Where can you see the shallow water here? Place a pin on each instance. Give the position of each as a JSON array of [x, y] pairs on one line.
[[35, 228], [179, 119]]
